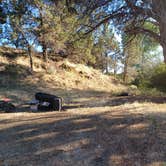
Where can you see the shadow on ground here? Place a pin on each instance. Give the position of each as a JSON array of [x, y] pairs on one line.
[[64, 139], [108, 100], [12, 54]]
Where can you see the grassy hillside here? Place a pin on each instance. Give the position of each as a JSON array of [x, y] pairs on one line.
[[59, 78]]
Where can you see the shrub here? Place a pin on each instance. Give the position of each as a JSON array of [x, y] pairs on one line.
[[153, 78], [16, 71], [150, 92], [158, 79]]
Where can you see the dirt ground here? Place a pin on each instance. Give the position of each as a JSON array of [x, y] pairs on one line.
[[92, 131]]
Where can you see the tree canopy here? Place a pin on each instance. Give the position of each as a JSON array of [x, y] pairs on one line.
[[129, 16], [83, 30]]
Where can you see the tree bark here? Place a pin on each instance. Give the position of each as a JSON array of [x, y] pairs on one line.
[[164, 52], [125, 73], [162, 25], [30, 58], [45, 56], [159, 7], [43, 37], [163, 36], [126, 64], [107, 64]]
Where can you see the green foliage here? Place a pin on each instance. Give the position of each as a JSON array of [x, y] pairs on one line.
[[132, 56], [150, 92], [158, 78], [2, 16], [82, 51], [153, 80], [56, 26]]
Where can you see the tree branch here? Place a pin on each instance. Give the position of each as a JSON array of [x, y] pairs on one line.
[[116, 14], [141, 30]]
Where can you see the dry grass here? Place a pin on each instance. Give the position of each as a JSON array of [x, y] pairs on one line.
[[63, 74], [95, 129], [17, 84], [122, 135]]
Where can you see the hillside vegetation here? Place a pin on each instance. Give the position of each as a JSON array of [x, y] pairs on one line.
[[17, 81]]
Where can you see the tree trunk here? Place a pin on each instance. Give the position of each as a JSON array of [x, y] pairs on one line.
[[125, 80], [43, 37], [163, 38], [115, 65], [125, 73], [164, 52], [107, 64], [159, 7], [30, 58], [45, 56]]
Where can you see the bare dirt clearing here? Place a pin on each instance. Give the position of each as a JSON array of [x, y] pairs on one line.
[[93, 133]]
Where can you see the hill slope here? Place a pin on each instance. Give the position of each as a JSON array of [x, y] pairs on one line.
[[16, 81]]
